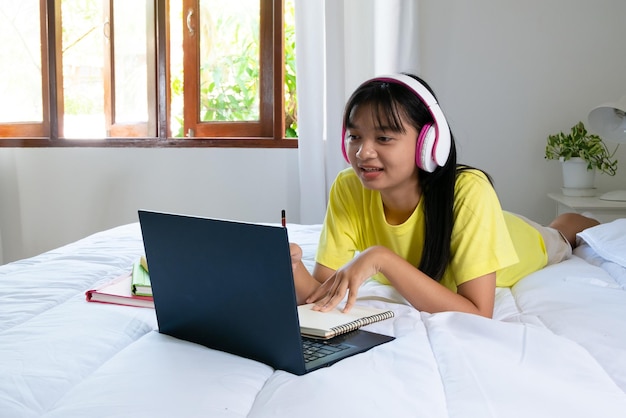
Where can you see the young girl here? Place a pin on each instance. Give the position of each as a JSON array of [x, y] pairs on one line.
[[407, 215]]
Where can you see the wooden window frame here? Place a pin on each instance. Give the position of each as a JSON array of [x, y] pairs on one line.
[[46, 133]]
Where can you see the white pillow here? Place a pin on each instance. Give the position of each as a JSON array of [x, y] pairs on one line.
[[608, 240]]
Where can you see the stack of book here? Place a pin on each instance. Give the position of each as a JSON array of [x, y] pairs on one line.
[[131, 289]]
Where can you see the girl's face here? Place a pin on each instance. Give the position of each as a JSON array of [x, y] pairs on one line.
[[383, 159]]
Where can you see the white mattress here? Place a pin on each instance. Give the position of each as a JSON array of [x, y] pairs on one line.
[[556, 348]]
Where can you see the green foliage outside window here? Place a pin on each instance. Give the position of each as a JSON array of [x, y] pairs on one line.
[[221, 99], [291, 101]]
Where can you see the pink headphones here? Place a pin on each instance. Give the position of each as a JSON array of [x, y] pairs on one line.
[[433, 141]]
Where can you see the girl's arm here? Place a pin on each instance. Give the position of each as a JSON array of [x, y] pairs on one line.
[[475, 296], [304, 282]]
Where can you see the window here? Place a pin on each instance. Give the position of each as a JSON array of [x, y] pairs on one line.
[[148, 73]]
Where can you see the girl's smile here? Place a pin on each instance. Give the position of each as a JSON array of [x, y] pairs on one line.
[[370, 173]]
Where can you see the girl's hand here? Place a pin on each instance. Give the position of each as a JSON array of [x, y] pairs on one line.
[[347, 279]]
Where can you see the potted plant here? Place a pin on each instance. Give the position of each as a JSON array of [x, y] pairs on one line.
[[582, 154]]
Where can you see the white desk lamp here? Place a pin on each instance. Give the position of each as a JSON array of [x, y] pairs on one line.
[[609, 122]]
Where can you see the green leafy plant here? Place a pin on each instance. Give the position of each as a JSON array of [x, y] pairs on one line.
[[580, 143]]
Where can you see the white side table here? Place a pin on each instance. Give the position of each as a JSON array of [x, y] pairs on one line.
[[603, 210]]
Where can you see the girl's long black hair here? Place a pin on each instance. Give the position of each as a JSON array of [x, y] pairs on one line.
[[390, 102]]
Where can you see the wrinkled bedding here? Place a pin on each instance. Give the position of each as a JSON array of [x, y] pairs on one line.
[[555, 348]]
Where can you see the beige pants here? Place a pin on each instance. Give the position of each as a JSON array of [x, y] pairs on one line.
[[557, 246]]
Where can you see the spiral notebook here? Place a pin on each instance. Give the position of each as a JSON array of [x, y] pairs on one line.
[[325, 325], [229, 286]]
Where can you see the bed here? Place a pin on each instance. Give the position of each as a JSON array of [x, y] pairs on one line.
[[555, 348]]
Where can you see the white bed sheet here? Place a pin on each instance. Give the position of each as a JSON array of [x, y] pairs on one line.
[[557, 348]]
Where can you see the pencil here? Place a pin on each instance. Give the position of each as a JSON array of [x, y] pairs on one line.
[[283, 218]]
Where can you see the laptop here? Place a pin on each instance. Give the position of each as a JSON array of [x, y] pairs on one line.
[[229, 286]]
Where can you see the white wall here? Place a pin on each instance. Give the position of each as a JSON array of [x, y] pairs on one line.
[[49, 197], [507, 73]]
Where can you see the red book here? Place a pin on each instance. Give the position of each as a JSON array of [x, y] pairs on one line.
[[119, 292]]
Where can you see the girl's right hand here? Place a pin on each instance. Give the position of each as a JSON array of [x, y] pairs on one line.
[[347, 280]]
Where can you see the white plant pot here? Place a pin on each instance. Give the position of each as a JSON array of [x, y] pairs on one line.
[[576, 175]]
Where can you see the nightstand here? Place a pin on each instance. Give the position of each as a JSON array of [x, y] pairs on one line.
[[602, 210]]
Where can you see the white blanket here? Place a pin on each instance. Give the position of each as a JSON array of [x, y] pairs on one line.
[[556, 348]]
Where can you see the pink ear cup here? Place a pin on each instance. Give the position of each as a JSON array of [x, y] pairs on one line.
[[441, 148], [424, 148]]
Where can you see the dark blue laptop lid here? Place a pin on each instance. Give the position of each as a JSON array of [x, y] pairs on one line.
[[226, 285]]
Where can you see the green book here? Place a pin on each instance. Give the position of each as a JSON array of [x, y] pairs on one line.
[[140, 283]]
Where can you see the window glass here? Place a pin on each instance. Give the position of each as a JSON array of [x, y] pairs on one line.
[[21, 49], [131, 61], [176, 68], [291, 99], [229, 60], [83, 32]]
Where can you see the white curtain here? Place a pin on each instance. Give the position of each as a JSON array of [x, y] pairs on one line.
[[339, 44]]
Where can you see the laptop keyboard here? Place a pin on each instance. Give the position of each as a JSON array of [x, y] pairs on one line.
[[316, 349]]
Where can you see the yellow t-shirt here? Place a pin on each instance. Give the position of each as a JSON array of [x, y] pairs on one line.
[[481, 242]]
